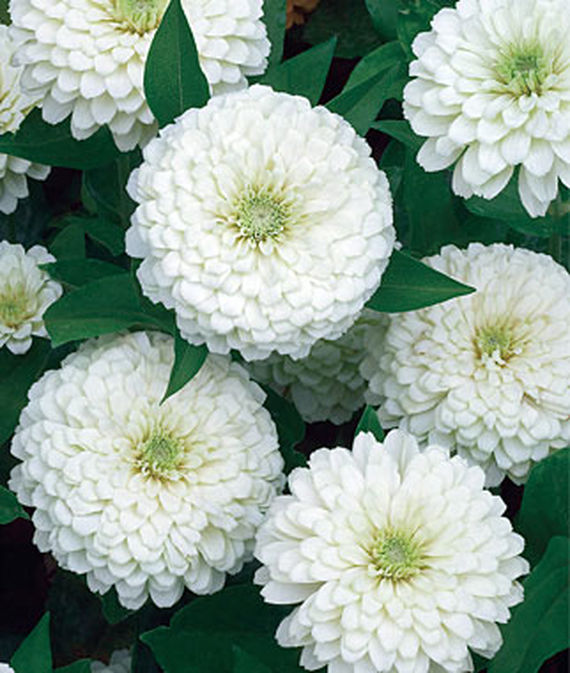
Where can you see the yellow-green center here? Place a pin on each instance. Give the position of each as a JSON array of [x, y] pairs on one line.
[[260, 214], [160, 455], [396, 555], [14, 308], [523, 69], [139, 16], [497, 340]]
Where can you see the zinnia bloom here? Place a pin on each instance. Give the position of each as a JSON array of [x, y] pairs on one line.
[[86, 58], [398, 559], [146, 497], [264, 223], [14, 106], [491, 91], [26, 291], [488, 374]]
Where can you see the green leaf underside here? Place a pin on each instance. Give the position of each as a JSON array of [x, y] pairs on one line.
[[43, 143], [103, 306], [544, 509], [304, 75], [290, 428], [173, 79], [408, 284], [188, 359], [538, 628], [369, 423], [34, 654], [10, 508]]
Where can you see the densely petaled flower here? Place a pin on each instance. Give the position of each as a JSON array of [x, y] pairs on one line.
[[5, 668], [296, 10], [262, 221], [326, 385], [491, 90], [120, 662], [487, 374], [86, 57], [25, 293], [143, 496], [399, 559], [14, 106]]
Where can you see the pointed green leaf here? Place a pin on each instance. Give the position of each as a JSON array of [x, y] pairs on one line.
[[369, 423], [274, 18], [401, 131], [34, 654], [77, 272], [173, 79], [408, 284], [188, 359], [305, 74], [10, 508], [379, 60]]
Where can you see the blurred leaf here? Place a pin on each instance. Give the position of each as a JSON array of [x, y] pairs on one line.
[[245, 663], [538, 628], [408, 284], [381, 59], [69, 243], [304, 75], [113, 611], [290, 428], [173, 79], [17, 373], [82, 666], [4, 12], [77, 272], [400, 130], [369, 423], [544, 509], [188, 359], [384, 14], [34, 654], [10, 508], [102, 306], [54, 146], [274, 17]]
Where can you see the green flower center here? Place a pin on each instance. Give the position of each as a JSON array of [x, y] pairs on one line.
[[523, 69], [14, 308], [139, 16], [260, 214], [160, 455], [498, 340], [396, 555]]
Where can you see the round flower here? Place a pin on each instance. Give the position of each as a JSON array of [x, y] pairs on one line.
[[25, 293], [326, 385], [488, 374], [146, 497], [14, 106], [491, 90], [262, 221], [399, 559], [5, 668], [120, 662], [86, 57]]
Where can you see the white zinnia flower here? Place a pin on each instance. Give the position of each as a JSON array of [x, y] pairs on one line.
[[492, 90], [120, 662], [326, 385], [487, 374], [5, 668], [262, 221], [86, 57], [25, 293], [14, 106], [146, 497], [399, 559]]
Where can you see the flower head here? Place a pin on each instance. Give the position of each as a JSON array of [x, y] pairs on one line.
[[487, 374], [147, 497], [326, 385], [25, 293], [262, 221], [86, 58], [491, 90], [14, 106], [6, 668], [398, 559]]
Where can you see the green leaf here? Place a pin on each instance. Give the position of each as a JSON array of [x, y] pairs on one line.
[[188, 359], [538, 628], [113, 611], [10, 508], [401, 131], [105, 232], [361, 104], [544, 509], [415, 17], [274, 18], [34, 654], [408, 284], [81, 666], [103, 306], [369, 423], [380, 60], [384, 15], [17, 373], [173, 79], [290, 428], [69, 242], [54, 146], [4, 12], [77, 272], [305, 74], [246, 663]]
